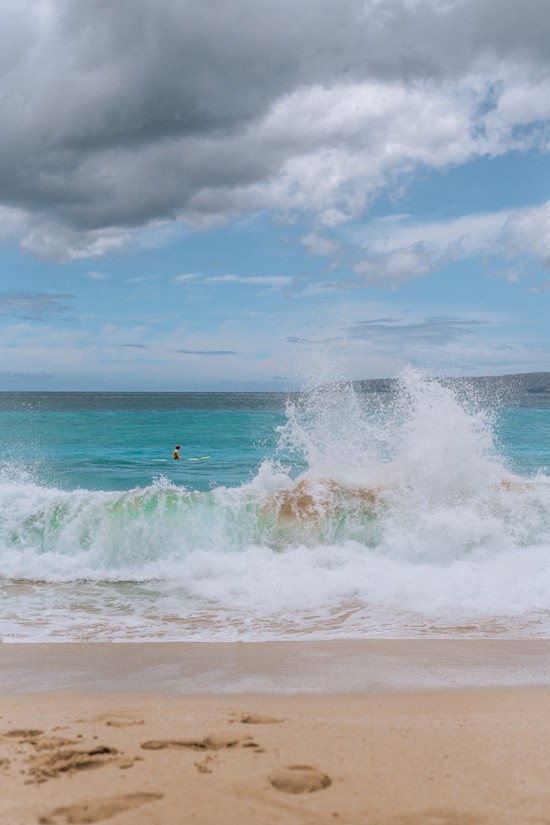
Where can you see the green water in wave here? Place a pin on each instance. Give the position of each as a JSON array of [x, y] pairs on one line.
[[135, 527]]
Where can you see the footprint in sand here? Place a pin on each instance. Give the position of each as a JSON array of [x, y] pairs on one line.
[[258, 719], [24, 735], [68, 761], [50, 743], [53, 755], [98, 809], [37, 739], [124, 723], [210, 743], [299, 779], [117, 719]]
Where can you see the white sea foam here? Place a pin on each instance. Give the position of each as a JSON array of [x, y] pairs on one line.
[[403, 521]]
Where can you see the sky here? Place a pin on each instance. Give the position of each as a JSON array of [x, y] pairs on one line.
[[243, 194]]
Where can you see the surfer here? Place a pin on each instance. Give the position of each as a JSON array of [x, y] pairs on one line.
[[176, 454]]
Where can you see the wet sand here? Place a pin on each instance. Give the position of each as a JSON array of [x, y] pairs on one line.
[[402, 732]]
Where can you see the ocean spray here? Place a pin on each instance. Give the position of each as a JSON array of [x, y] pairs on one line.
[[391, 513]]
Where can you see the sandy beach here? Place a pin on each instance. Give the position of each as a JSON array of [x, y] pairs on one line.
[[404, 732]]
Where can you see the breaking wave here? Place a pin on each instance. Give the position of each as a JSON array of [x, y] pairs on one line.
[[386, 514]]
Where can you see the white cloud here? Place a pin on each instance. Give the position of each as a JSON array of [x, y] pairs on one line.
[[394, 268], [529, 230], [318, 245], [334, 149], [97, 276], [252, 280], [537, 290], [188, 277], [399, 249], [12, 222], [57, 242], [141, 279], [466, 235]]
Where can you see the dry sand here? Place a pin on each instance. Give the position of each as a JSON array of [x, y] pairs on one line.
[[382, 754]]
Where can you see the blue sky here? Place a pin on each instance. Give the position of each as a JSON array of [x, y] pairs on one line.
[[251, 195]]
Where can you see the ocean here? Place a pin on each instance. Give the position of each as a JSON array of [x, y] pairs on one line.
[[413, 508]]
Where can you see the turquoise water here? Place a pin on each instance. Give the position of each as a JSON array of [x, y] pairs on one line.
[[524, 434], [420, 511], [117, 441]]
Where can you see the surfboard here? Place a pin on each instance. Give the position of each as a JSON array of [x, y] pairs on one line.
[[198, 458]]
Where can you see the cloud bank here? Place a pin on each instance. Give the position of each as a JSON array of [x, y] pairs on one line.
[[122, 118]]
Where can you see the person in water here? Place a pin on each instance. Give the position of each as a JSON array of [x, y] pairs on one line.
[[177, 453]]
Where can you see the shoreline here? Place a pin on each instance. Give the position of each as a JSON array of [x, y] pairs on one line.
[[313, 667]]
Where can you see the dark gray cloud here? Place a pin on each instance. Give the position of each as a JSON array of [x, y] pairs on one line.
[[119, 114], [134, 346], [394, 333], [435, 331], [114, 84], [33, 305]]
